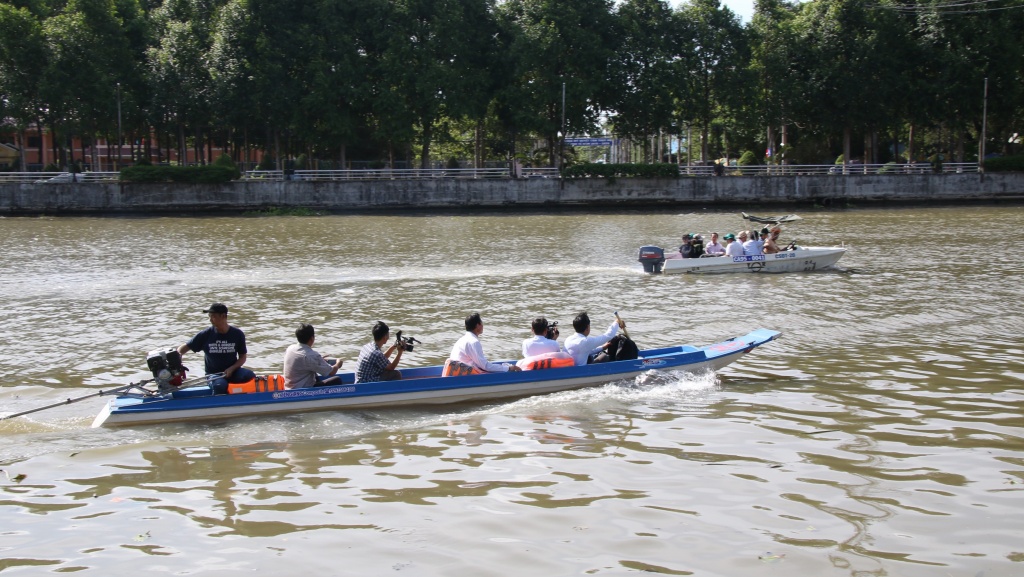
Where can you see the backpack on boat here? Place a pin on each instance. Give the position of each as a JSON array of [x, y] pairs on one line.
[[622, 348]]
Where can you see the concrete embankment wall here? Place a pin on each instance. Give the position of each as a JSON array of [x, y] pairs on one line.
[[828, 190]]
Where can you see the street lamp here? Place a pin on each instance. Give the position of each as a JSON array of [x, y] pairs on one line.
[[119, 126]]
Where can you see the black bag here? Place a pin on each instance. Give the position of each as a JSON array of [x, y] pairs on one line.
[[622, 348]]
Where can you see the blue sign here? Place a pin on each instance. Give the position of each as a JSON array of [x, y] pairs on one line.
[[590, 141]]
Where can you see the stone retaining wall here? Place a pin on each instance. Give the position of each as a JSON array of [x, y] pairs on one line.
[[834, 190]]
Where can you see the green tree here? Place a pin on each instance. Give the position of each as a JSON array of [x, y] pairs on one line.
[[556, 43], [717, 76], [649, 68]]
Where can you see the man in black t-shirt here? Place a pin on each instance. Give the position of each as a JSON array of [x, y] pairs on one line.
[[224, 349]]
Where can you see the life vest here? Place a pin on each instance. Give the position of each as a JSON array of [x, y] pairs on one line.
[[261, 384], [459, 369], [546, 361]]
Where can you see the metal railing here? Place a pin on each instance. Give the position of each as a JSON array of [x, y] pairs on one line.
[[398, 174], [58, 177], [500, 173], [849, 169]]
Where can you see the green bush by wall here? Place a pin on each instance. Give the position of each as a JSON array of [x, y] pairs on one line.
[[596, 170], [187, 174]]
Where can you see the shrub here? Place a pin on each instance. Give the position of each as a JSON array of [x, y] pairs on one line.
[[225, 161], [596, 170], [889, 168], [185, 174], [748, 158], [1005, 164], [267, 162]]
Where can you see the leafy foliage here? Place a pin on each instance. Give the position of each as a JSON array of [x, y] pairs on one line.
[[598, 170], [210, 174]]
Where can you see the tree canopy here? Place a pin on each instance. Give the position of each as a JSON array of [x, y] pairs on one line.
[[390, 81]]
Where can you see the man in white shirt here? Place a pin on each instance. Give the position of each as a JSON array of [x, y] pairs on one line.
[[733, 246], [752, 246], [540, 342], [714, 248], [469, 352], [581, 346]]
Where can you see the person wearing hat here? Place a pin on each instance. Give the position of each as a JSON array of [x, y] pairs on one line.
[[732, 246], [224, 350], [686, 249], [752, 245]]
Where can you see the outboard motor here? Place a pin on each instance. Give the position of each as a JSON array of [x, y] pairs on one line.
[[168, 372], [652, 257]]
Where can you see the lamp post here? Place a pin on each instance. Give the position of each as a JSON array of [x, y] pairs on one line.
[[119, 126], [561, 133], [981, 145]]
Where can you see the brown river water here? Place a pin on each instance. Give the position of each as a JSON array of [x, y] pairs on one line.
[[883, 434]]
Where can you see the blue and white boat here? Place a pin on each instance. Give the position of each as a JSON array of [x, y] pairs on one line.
[[802, 259], [420, 386]]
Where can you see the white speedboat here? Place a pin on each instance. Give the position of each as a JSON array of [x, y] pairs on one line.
[[801, 259]]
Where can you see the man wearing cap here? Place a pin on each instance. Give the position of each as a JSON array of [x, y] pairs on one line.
[[752, 246], [686, 249], [732, 246], [224, 349]]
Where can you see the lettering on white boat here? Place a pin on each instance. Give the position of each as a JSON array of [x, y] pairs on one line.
[[653, 362], [312, 392]]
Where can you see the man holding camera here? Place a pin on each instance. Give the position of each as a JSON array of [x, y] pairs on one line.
[[544, 339], [374, 365]]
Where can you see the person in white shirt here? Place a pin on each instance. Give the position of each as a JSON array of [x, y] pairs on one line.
[[752, 246], [581, 346], [732, 246], [543, 339], [714, 248], [469, 352]]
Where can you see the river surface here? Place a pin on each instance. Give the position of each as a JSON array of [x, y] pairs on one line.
[[883, 434]]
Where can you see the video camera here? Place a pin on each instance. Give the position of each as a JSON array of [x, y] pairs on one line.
[[406, 343], [552, 332]]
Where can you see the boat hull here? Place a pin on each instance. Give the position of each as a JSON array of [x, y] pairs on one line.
[[420, 386], [799, 260]]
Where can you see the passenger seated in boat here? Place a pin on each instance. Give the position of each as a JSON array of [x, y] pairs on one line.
[[585, 348], [467, 356], [770, 247], [697, 242], [686, 249], [304, 367], [714, 248], [733, 247], [374, 365], [224, 350], [544, 339], [753, 245]]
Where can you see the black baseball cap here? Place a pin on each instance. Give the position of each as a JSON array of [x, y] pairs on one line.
[[217, 309]]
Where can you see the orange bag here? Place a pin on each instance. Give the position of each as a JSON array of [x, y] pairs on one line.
[[546, 361], [261, 384]]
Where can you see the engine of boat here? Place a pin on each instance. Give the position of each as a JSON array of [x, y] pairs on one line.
[[652, 257], [168, 372]]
